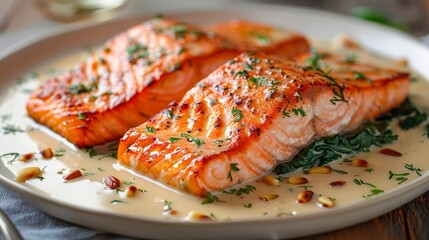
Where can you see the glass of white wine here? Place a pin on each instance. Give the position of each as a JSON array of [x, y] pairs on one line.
[[72, 10]]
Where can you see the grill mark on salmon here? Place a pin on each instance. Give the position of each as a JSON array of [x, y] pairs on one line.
[[284, 106], [136, 74]]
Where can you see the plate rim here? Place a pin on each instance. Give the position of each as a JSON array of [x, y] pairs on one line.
[[25, 192]]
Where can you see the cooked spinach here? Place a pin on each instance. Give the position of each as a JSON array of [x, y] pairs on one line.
[[408, 114], [328, 149], [375, 133]]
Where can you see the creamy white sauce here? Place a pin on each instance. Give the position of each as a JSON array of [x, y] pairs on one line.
[[89, 192]]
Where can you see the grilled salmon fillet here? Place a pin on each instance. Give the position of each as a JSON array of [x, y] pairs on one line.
[[134, 75], [254, 112], [250, 36]]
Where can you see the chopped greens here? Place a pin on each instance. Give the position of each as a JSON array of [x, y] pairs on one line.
[[190, 138], [360, 182], [150, 129], [81, 116], [60, 152], [10, 157], [258, 81], [210, 198], [169, 114], [91, 152], [137, 50], [399, 177], [315, 63], [232, 168], [351, 58], [286, 114], [116, 201], [173, 139], [11, 129], [237, 113], [360, 76], [80, 88], [414, 169], [249, 205], [241, 73], [374, 192], [238, 192], [260, 37], [299, 111]]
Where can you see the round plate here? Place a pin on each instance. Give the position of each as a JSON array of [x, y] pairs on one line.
[[31, 53]]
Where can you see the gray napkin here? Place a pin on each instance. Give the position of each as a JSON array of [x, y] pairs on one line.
[[35, 224]]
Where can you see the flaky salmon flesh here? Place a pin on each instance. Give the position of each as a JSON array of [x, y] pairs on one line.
[[254, 112], [137, 73]]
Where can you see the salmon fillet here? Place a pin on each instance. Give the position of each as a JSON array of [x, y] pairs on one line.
[[252, 113], [133, 76], [250, 36]]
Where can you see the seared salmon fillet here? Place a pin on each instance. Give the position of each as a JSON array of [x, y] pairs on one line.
[[133, 76], [252, 113], [251, 36]]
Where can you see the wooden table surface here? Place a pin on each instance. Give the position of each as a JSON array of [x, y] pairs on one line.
[[410, 221]]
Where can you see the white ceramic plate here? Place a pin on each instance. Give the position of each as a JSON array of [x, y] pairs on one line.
[[24, 57]]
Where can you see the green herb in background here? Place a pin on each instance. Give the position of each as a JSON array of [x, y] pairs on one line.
[[378, 16]]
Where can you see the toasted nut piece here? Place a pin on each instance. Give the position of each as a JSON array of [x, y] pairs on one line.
[[305, 196], [403, 62], [345, 41], [131, 191], [47, 153], [326, 201], [27, 173], [390, 152], [321, 170], [359, 163], [26, 157], [297, 180], [192, 215], [170, 212], [337, 183], [270, 180], [268, 197], [112, 182], [75, 174]]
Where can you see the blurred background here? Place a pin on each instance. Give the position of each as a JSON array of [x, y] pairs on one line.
[[24, 17]]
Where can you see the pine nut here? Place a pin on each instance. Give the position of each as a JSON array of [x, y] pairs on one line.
[[170, 212], [75, 174], [47, 153], [320, 170], [305, 196], [359, 163], [26, 157], [27, 173], [268, 197], [270, 180], [390, 152], [337, 183], [130, 191], [326, 201], [403, 62], [297, 180], [192, 215]]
